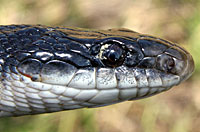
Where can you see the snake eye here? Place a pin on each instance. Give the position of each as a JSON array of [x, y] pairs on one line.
[[113, 55]]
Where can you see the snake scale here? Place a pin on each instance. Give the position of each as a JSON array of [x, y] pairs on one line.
[[48, 69]]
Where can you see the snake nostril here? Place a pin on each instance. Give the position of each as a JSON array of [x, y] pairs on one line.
[[167, 63], [170, 64]]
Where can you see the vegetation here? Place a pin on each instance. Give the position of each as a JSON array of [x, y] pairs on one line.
[[177, 110]]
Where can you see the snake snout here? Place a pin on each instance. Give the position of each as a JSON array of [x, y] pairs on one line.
[[188, 70], [182, 63]]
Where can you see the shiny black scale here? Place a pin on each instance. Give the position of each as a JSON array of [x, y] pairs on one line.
[[22, 42]]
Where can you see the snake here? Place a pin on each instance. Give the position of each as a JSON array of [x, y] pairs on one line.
[[46, 69]]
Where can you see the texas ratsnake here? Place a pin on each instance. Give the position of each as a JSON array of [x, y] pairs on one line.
[[48, 69]]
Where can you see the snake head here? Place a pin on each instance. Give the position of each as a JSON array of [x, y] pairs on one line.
[[47, 69], [114, 68], [144, 66]]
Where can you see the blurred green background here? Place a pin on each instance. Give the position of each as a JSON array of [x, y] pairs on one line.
[[177, 110]]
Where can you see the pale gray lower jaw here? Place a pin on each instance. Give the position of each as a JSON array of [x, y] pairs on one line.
[[87, 88]]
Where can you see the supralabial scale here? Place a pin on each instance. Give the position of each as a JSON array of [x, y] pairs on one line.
[[48, 69]]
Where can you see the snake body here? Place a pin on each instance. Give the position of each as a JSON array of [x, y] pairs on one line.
[[47, 69]]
